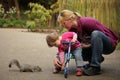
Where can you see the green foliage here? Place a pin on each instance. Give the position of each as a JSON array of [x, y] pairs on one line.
[[55, 7], [47, 3], [63, 30], [2, 21], [8, 14], [38, 14], [18, 23], [2, 11], [8, 18], [12, 23], [118, 46], [8, 23], [11, 13], [30, 25]]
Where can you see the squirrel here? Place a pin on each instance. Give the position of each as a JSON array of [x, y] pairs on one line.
[[24, 67]]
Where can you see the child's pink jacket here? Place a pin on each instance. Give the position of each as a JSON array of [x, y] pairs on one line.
[[67, 36]]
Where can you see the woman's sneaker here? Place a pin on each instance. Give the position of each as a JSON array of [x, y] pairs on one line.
[[87, 65], [92, 71], [79, 72]]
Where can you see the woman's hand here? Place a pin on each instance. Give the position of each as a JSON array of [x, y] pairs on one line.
[[57, 63], [85, 45]]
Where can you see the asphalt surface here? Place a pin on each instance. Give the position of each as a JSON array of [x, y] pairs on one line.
[[31, 48]]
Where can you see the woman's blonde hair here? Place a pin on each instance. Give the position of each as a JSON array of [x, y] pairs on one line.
[[51, 38], [67, 14]]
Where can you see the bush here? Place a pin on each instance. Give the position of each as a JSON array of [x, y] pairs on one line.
[[2, 11], [18, 23], [8, 18], [38, 14], [4, 23], [30, 25], [63, 30], [118, 46]]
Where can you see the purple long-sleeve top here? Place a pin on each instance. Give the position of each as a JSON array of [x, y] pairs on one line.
[[87, 25]]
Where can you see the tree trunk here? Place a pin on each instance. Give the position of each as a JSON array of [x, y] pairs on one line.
[[17, 8]]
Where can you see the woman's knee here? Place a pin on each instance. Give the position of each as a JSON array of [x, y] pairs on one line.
[[95, 34]]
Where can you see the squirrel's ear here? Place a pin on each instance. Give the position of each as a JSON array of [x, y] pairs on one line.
[[39, 68], [32, 70], [9, 65]]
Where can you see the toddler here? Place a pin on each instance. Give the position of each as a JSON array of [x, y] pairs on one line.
[[55, 40]]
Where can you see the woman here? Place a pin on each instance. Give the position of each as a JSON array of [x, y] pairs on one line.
[[103, 40]]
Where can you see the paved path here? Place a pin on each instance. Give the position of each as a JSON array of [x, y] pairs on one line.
[[31, 48]]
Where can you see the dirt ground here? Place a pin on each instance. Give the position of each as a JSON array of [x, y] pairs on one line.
[[31, 48]]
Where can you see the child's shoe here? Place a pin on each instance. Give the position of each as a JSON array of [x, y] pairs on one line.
[[56, 70], [79, 72]]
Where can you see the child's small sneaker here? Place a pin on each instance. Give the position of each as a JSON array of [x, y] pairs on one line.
[[56, 70], [79, 72]]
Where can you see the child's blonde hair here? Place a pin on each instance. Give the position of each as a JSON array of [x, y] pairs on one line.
[[67, 14], [51, 38]]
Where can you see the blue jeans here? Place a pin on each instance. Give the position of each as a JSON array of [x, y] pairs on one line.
[[77, 53], [101, 44]]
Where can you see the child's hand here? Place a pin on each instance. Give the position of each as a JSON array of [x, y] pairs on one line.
[[57, 63], [73, 40], [63, 66]]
